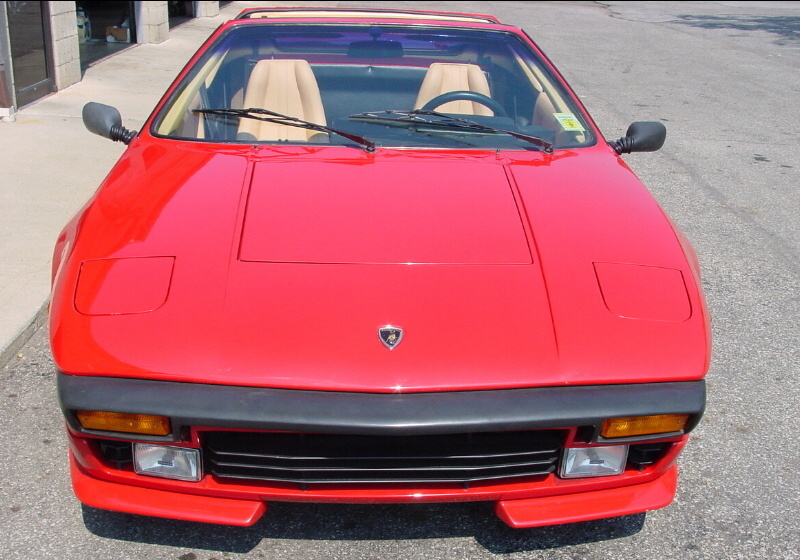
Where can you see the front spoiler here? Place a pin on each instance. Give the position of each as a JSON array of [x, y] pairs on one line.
[[154, 502], [586, 506], [521, 513], [257, 408]]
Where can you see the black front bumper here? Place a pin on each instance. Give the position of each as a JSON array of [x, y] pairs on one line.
[[255, 408]]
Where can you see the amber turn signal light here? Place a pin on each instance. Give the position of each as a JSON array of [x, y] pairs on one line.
[[122, 422], [643, 425]]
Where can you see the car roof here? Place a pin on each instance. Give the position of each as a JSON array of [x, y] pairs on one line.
[[356, 13]]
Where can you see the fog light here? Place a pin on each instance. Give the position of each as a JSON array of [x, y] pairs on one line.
[[594, 461], [179, 463], [643, 425], [123, 422]]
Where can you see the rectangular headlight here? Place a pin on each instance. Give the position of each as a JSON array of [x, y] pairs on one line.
[[180, 463], [584, 462]]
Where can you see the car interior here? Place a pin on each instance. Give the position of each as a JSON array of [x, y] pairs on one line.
[[326, 83]]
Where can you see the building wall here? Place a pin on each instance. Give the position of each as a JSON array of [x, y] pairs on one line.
[[152, 21], [152, 26], [206, 9], [65, 55], [6, 91]]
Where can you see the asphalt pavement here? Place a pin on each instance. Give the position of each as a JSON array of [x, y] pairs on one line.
[[725, 79]]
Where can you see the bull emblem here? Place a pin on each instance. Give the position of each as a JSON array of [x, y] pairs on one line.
[[390, 336]]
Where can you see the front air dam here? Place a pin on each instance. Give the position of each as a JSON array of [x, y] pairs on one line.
[[524, 513], [586, 506], [103, 494]]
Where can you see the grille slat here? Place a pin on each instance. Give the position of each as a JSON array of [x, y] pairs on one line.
[[274, 457], [336, 467], [332, 465], [330, 458]]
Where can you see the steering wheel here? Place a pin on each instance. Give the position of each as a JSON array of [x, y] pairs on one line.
[[465, 95]]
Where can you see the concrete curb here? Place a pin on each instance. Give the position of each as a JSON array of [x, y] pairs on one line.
[[25, 334]]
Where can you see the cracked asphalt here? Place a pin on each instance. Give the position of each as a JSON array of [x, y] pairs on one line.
[[723, 77]]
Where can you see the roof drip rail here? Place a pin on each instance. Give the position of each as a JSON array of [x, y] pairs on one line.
[[335, 13]]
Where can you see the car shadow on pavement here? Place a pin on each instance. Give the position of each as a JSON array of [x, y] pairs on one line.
[[340, 522]]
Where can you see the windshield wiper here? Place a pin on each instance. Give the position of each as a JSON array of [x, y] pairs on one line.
[[280, 118], [442, 120]]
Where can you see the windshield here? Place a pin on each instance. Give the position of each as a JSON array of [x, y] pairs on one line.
[[325, 78]]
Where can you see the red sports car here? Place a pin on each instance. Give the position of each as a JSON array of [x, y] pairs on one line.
[[375, 256]]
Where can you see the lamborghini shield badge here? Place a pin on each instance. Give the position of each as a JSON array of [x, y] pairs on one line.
[[390, 336]]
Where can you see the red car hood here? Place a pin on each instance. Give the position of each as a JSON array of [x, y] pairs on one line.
[[278, 269]]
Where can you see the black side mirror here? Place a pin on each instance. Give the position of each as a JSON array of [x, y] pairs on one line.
[[106, 121], [642, 136]]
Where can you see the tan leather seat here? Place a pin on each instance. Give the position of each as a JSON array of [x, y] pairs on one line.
[[443, 77], [283, 86]]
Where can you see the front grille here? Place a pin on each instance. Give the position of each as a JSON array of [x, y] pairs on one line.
[[341, 459]]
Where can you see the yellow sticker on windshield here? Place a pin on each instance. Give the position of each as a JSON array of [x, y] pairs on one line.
[[569, 122]]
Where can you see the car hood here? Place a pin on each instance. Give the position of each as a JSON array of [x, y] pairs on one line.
[[278, 268]]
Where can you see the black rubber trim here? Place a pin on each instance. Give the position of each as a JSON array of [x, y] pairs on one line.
[[225, 406]]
